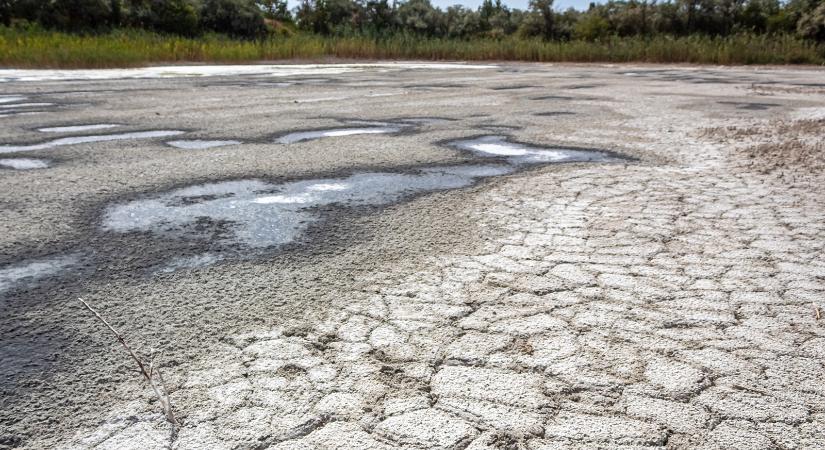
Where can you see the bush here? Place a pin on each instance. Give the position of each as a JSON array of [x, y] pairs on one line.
[[5, 12], [812, 24], [239, 18], [168, 16], [76, 15], [591, 27], [174, 16]]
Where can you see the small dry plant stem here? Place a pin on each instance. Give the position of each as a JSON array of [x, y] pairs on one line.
[[152, 374]]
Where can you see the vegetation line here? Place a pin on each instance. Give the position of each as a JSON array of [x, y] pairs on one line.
[[129, 48], [118, 33]]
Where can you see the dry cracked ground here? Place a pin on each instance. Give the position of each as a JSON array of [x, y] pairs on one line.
[[412, 256]]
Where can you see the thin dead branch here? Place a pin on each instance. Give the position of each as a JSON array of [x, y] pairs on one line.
[[152, 374]]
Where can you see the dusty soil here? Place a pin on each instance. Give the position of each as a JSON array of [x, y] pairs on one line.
[[672, 299]]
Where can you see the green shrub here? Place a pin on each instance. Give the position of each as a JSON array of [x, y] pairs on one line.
[[812, 24], [168, 16], [174, 16], [591, 27], [239, 18], [76, 15]]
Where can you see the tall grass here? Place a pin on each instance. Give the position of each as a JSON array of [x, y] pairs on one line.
[[47, 49]]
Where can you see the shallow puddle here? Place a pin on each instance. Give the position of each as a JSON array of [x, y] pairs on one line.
[[435, 86], [17, 275], [88, 139], [18, 113], [554, 113], [26, 105], [582, 86], [553, 97], [427, 120], [259, 214], [750, 106], [76, 128], [11, 98], [23, 163], [300, 136], [513, 87], [199, 144], [519, 153]]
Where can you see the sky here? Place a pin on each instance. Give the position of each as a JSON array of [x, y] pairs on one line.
[[474, 4]]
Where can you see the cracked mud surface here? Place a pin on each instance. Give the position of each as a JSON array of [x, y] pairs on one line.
[[670, 302]]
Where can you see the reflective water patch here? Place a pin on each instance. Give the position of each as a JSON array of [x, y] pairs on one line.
[[582, 86], [4, 113], [750, 106], [28, 272], [76, 128], [519, 153], [259, 214], [285, 70], [11, 98], [513, 87], [88, 139], [554, 113], [23, 163], [26, 105], [553, 97], [427, 120], [198, 144], [300, 136]]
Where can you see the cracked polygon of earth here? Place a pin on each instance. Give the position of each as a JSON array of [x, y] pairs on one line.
[[429, 428], [604, 430], [680, 417]]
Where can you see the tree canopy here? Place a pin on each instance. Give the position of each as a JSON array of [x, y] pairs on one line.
[[493, 19]]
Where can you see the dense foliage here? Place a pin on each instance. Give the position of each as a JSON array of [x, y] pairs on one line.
[[380, 18]]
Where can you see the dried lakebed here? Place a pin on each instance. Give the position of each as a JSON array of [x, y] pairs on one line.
[[454, 284]]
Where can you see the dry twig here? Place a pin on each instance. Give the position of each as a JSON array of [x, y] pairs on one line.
[[156, 382]]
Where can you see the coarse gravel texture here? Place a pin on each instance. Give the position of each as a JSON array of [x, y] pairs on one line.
[[670, 300]]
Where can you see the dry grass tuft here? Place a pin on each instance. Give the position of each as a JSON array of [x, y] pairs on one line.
[[147, 369]]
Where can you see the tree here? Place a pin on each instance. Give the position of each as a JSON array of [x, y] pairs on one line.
[[543, 10], [116, 18], [240, 18], [812, 23], [75, 15], [330, 16], [174, 16], [419, 16], [168, 16], [5, 12], [275, 9], [379, 16], [461, 22], [628, 18], [591, 26]]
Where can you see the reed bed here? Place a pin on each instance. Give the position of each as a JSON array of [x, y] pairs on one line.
[[128, 48]]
